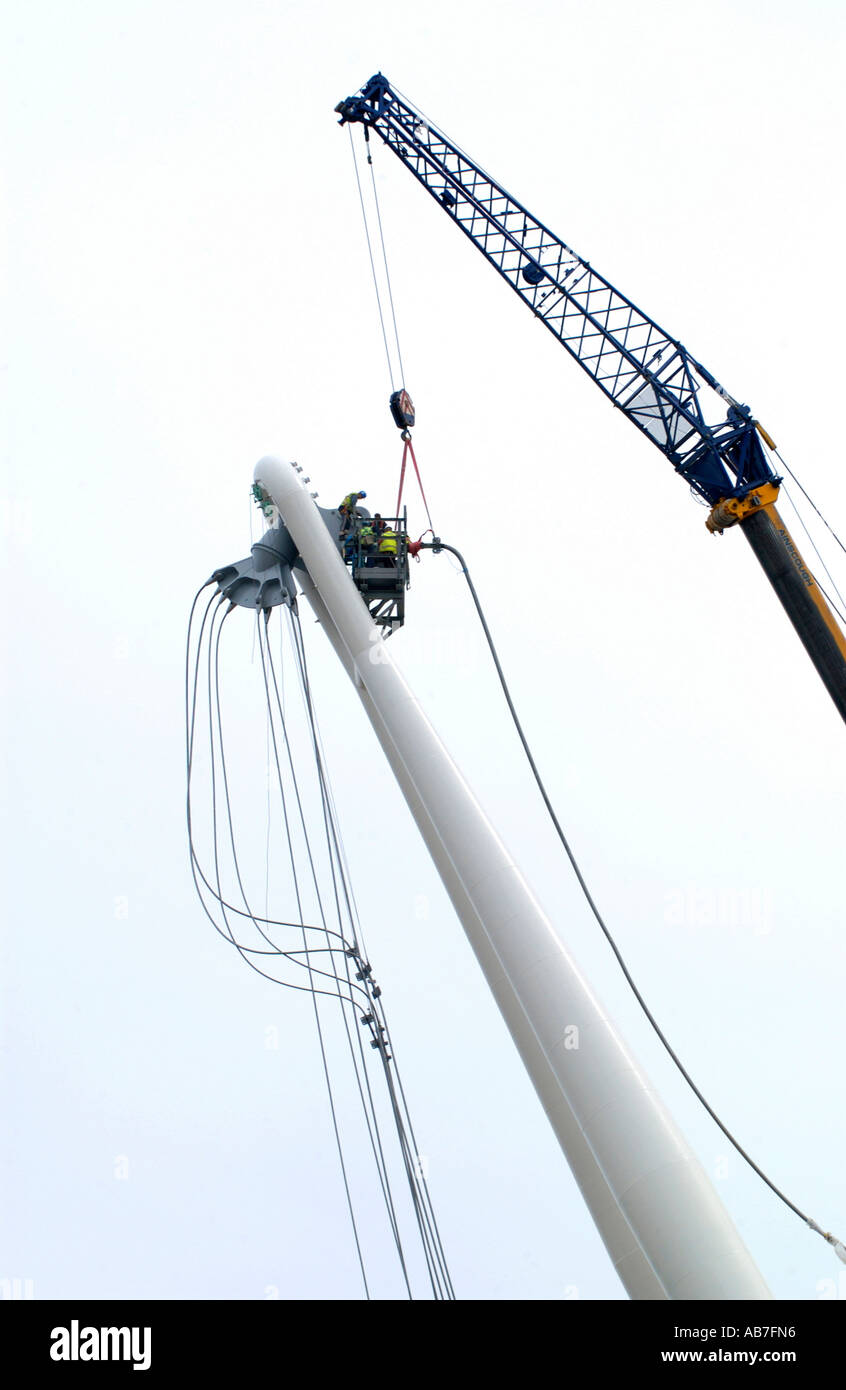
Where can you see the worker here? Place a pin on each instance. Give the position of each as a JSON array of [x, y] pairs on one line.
[[347, 510], [378, 524], [360, 543], [388, 547]]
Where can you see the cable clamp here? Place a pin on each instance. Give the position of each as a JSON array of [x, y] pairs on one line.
[[837, 1245]]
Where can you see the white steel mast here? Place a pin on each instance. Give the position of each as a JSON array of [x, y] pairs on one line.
[[666, 1230]]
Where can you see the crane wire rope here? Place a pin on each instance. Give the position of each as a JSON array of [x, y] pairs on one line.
[[809, 499], [430, 125], [384, 255], [345, 989], [406, 433], [770, 449], [839, 1247], [373, 265], [831, 578]]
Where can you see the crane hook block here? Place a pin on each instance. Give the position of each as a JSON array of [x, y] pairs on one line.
[[402, 409]]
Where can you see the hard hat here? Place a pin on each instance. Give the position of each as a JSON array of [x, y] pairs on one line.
[[362, 494]]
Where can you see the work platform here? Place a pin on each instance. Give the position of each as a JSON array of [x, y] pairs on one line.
[[381, 577]]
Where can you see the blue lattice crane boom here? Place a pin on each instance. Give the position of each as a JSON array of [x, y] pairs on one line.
[[710, 439]]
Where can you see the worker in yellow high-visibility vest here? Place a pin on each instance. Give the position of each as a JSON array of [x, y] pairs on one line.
[[346, 510], [351, 501], [388, 547], [368, 544]]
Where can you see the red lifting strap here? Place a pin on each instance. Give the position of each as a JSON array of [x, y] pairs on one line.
[[409, 449]]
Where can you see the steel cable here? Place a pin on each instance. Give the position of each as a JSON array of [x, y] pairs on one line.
[[439, 545], [338, 944]]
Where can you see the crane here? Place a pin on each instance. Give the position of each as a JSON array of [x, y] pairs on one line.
[[665, 1229], [712, 440]]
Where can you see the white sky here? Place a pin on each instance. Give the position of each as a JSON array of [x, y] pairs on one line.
[[189, 290]]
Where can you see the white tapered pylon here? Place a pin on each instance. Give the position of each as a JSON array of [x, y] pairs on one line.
[[666, 1230]]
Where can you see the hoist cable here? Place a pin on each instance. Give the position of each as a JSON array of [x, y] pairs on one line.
[[441, 545], [384, 257], [430, 125], [372, 262], [841, 615], [832, 580], [787, 469]]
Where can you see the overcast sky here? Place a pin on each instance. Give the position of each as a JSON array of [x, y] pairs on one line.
[[190, 290]]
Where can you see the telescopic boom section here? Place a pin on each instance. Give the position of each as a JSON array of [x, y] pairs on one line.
[[711, 439]]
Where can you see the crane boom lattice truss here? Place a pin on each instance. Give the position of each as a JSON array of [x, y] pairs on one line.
[[647, 374]]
